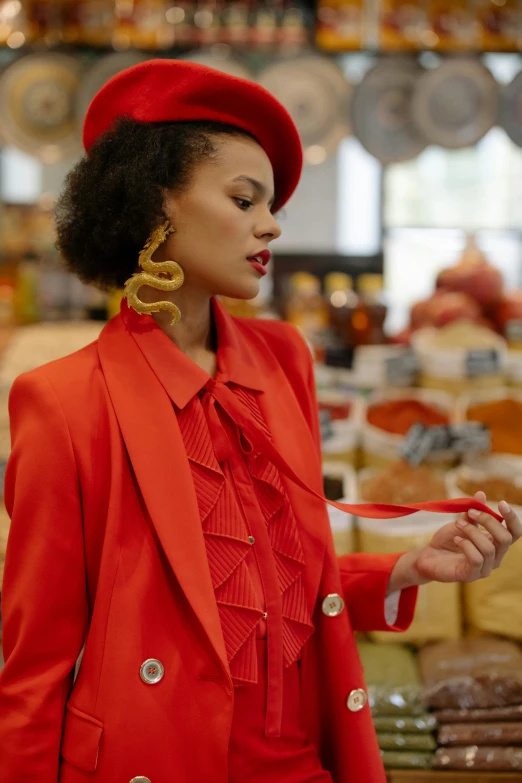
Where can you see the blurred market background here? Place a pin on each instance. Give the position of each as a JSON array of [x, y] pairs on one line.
[[400, 261]]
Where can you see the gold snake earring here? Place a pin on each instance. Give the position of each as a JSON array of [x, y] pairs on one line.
[[151, 276]]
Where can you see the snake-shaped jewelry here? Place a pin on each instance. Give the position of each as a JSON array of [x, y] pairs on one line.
[[151, 277]]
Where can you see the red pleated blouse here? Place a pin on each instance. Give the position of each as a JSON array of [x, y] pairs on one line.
[[251, 535]]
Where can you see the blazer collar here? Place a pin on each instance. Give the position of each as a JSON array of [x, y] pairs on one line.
[[181, 377]]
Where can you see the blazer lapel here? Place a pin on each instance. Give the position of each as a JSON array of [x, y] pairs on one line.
[[157, 453]]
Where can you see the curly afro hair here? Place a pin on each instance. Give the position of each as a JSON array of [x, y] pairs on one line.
[[113, 199]]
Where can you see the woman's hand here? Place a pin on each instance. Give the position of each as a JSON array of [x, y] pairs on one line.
[[460, 551]]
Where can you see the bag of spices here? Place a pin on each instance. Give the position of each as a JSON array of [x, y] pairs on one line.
[[388, 416], [512, 713], [459, 357], [480, 734], [494, 605], [392, 675], [438, 610], [472, 673], [487, 759]]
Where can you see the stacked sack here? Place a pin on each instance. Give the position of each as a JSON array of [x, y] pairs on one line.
[[404, 729], [475, 686]]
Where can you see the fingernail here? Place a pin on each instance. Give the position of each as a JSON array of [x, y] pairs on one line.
[[507, 507], [474, 513], [462, 523], [458, 539]]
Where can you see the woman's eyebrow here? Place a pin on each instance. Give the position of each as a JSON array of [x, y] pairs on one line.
[[261, 189]]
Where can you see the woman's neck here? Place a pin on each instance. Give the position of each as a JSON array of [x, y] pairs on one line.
[[195, 333]]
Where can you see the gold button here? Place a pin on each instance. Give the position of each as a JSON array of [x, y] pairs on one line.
[[251, 540], [140, 779], [333, 605], [151, 671], [356, 700]]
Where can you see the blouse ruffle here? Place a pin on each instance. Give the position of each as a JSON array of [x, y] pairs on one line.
[[227, 544]]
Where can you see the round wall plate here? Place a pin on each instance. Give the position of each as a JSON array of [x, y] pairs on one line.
[[456, 104], [511, 109], [37, 100], [381, 111], [316, 94]]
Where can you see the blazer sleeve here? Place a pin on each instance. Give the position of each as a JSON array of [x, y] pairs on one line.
[[44, 598], [363, 576]]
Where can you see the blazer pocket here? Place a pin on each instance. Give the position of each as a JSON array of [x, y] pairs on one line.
[[81, 739]]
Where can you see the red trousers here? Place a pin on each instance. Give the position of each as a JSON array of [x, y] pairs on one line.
[[254, 758]]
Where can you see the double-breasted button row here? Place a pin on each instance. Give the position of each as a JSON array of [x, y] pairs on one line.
[[151, 671], [333, 605]]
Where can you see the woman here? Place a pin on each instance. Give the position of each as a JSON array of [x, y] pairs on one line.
[[173, 607]]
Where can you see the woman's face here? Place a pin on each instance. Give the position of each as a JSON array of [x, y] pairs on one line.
[[222, 219]]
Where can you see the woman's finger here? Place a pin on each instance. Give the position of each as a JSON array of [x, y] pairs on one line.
[[485, 547], [502, 537], [474, 558], [513, 523]]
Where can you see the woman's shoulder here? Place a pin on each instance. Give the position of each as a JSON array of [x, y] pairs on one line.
[[68, 374]]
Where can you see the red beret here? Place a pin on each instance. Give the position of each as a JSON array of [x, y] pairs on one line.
[[181, 91]]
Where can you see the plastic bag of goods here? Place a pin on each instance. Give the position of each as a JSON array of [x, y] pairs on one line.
[[460, 357], [340, 484], [438, 612], [499, 410], [494, 605], [339, 428], [387, 417]]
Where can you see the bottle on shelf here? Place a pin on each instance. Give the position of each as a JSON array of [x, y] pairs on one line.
[[307, 310], [370, 313], [341, 300]]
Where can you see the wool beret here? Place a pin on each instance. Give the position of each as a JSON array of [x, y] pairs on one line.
[[181, 91]]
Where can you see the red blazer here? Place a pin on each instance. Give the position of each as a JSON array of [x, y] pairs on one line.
[[106, 554]]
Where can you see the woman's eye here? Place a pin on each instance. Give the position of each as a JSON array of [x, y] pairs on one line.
[[243, 203]]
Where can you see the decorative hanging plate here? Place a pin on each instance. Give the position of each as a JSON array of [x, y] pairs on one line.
[[511, 109], [316, 94], [381, 111], [456, 104], [37, 100], [219, 58], [99, 74]]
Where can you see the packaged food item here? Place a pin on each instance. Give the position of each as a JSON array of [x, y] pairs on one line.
[[402, 25], [369, 314], [480, 734], [411, 724], [392, 676], [401, 484], [398, 416], [405, 741], [340, 25], [513, 713], [471, 673], [502, 415], [453, 25], [396, 759], [307, 310], [500, 25], [341, 301], [387, 416], [494, 605], [489, 759], [460, 357]]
